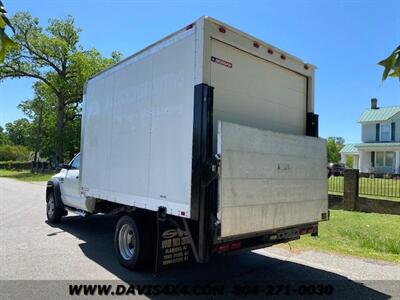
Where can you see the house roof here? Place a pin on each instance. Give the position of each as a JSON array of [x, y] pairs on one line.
[[378, 145], [379, 115], [349, 149]]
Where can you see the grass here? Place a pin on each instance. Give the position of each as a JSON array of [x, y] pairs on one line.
[[377, 188], [25, 175], [367, 235]]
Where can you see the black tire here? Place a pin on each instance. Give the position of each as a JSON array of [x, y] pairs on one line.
[[132, 245], [53, 210]]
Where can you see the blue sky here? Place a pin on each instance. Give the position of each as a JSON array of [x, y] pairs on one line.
[[344, 39]]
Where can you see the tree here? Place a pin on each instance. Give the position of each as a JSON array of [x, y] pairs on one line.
[[45, 104], [334, 145], [349, 161], [391, 64], [54, 57], [5, 42], [3, 137], [19, 132]]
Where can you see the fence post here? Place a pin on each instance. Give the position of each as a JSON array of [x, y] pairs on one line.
[[350, 190]]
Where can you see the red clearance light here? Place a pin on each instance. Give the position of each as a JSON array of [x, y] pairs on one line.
[[183, 213], [256, 45], [190, 26], [270, 51], [283, 56], [222, 29], [306, 67]]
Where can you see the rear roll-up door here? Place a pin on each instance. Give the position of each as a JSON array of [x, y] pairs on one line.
[[252, 91]]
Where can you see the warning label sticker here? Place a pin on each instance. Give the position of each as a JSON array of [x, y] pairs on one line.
[[221, 62]]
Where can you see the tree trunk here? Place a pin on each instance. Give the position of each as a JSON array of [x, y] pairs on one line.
[[38, 133], [60, 131]]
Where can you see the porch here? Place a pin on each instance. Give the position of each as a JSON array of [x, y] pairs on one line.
[[379, 158]]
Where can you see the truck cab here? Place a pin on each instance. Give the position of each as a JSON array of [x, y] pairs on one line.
[[66, 182]]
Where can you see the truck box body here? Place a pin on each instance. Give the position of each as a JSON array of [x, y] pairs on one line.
[[146, 123]]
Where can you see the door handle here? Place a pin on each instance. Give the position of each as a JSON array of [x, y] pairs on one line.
[[77, 176]]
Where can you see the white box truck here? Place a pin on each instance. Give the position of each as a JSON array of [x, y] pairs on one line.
[[205, 142]]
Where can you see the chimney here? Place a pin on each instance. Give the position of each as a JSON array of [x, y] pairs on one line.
[[374, 103]]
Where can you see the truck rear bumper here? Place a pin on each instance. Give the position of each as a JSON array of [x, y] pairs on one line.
[[265, 239]]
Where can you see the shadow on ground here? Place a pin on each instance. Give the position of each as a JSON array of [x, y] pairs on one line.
[[248, 268]]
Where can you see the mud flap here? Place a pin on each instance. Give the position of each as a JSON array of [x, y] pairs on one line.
[[173, 243]]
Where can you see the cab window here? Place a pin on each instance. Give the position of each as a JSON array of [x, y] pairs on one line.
[[76, 162]]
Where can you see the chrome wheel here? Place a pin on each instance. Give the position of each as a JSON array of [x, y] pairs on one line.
[[51, 206], [126, 241]]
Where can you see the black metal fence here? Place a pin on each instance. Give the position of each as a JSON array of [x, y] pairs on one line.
[[336, 184], [376, 185], [381, 185]]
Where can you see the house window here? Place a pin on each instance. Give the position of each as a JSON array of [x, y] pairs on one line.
[[379, 159], [384, 159], [386, 134], [389, 159]]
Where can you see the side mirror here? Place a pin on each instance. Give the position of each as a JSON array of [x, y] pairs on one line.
[[63, 166]]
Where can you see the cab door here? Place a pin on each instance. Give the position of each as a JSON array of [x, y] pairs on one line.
[[70, 185]]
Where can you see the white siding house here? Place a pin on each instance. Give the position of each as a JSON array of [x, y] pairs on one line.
[[379, 151]]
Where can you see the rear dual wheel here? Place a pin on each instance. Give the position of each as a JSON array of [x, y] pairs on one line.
[[133, 245]]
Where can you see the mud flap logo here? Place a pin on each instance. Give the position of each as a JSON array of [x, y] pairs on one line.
[[174, 246], [172, 233]]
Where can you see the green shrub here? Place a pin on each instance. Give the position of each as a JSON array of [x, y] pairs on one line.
[[14, 153]]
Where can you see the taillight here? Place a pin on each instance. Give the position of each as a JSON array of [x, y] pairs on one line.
[[236, 245], [226, 247], [221, 248]]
